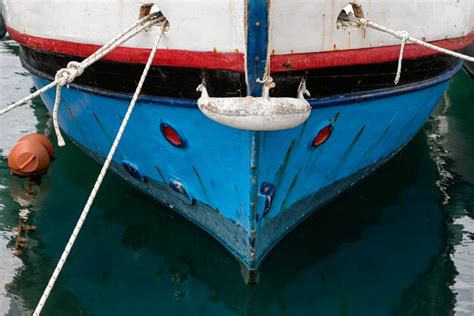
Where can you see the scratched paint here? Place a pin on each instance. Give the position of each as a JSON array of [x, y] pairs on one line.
[[224, 158], [355, 144]]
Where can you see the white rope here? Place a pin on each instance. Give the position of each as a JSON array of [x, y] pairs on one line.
[[405, 37], [28, 98], [74, 69], [99, 180]]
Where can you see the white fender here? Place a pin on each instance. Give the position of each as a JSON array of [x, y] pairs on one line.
[[256, 113]]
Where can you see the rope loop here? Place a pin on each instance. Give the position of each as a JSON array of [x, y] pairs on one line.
[[268, 84], [67, 75], [403, 36]]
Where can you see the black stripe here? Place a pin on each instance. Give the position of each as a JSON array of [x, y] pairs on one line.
[[182, 82]]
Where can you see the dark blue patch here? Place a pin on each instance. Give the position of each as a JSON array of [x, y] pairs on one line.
[[257, 44], [133, 170], [268, 191]]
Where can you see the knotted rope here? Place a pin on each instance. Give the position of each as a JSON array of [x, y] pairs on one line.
[[101, 176], [64, 77], [405, 37], [74, 69]]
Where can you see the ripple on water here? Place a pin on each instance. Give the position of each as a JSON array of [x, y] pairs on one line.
[[14, 84], [452, 149]]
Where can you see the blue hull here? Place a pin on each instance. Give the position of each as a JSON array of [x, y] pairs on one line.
[[247, 189]]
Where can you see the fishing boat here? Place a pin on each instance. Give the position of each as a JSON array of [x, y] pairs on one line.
[[296, 100]]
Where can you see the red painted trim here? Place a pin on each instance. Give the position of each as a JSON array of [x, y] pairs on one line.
[[290, 62], [236, 61], [165, 57]]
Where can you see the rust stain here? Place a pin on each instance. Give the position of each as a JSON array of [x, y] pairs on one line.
[[145, 10], [288, 64]]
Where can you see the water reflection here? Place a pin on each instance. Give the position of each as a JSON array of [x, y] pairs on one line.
[[399, 243], [359, 255], [452, 147], [13, 82]]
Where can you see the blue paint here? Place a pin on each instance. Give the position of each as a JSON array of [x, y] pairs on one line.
[[257, 44], [267, 190], [221, 170], [132, 170]]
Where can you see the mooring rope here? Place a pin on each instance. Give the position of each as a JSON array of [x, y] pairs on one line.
[[99, 180], [74, 69], [405, 37]]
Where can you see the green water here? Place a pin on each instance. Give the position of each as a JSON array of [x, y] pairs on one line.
[[399, 243]]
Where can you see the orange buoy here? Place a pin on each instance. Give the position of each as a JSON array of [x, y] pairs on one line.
[[31, 155], [43, 140]]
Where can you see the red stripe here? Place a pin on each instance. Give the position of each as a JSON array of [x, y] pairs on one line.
[[165, 57], [235, 61], [290, 62]]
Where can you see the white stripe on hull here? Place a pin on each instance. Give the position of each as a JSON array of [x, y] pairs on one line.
[[197, 25], [302, 26], [296, 26]]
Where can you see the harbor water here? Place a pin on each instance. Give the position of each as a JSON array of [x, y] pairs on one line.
[[400, 242]]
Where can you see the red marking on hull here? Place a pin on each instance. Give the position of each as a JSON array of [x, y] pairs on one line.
[[236, 61], [164, 57], [290, 62]]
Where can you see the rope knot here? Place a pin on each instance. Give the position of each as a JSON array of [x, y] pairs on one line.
[[402, 35], [67, 75]]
